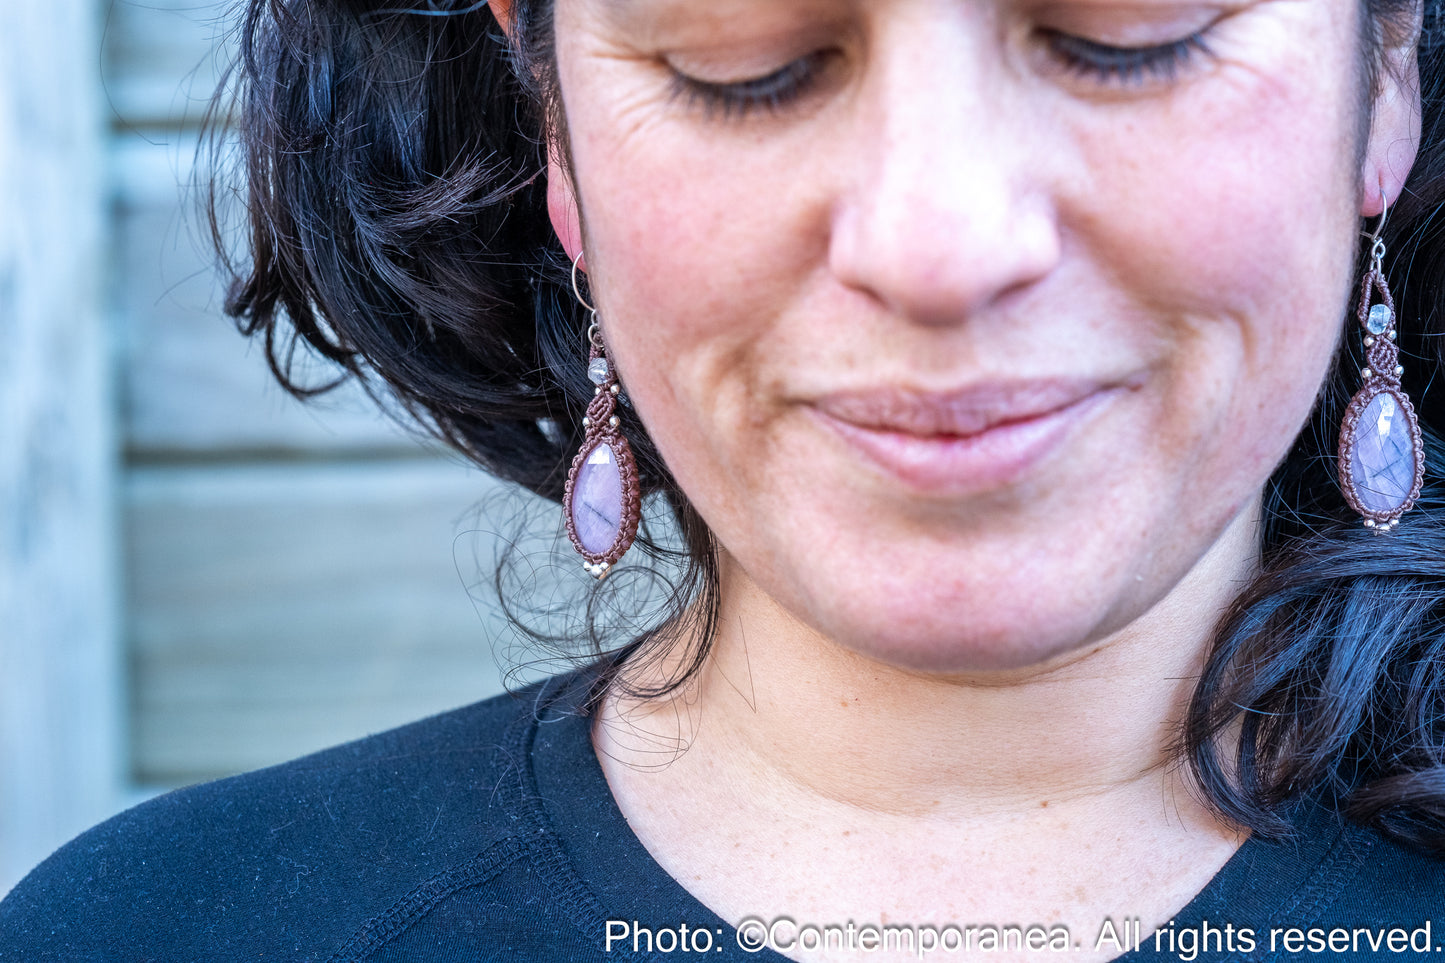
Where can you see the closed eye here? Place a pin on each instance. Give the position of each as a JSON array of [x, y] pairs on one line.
[[1126, 65], [771, 92]]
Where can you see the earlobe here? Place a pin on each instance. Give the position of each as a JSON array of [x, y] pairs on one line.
[[502, 10], [562, 208], [1394, 135]]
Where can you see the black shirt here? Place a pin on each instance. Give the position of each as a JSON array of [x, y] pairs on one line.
[[489, 833]]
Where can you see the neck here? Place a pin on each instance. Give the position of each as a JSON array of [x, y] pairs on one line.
[[822, 722]]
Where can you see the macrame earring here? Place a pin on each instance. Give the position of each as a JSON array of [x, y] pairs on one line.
[[1382, 458], [602, 503]]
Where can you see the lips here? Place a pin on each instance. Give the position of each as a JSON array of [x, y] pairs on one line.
[[964, 441], [959, 413]]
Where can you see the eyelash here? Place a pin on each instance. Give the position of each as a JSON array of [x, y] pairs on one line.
[[1093, 61], [770, 93], [1126, 65]]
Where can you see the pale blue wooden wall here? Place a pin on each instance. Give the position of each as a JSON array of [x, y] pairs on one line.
[[60, 739]]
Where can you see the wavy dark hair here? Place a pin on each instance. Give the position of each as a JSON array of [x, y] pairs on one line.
[[395, 189]]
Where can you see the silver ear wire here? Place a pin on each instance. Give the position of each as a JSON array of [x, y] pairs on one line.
[[594, 330], [576, 289], [1377, 244]]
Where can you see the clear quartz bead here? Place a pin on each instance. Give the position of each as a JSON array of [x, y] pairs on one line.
[[1380, 319], [597, 371]]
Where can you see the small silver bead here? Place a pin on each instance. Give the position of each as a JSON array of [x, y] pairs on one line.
[[617, 389], [614, 421], [1399, 370], [596, 391], [1392, 334], [1369, 342], [1366, 373], [586, 422], [1369, 523]]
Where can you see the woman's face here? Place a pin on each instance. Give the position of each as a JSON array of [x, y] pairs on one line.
[[969, 325]]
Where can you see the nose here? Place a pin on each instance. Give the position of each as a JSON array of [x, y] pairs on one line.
[[946, 211]]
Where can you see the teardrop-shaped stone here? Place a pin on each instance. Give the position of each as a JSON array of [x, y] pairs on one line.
[[1382, 462], [597, 500], [1380, 319]]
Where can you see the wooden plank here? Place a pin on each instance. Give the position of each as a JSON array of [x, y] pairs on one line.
[[59, 665], [164, 58], [191, 383], [277, 609]]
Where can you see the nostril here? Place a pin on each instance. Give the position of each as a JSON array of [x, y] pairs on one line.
[[935, 264]]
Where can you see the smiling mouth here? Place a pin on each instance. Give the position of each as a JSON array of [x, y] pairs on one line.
[[962, 442]]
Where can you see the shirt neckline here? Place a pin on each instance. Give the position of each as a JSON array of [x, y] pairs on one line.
[[1266, 883]]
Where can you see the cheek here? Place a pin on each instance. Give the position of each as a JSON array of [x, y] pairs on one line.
[[707, 253], [1241, 247]]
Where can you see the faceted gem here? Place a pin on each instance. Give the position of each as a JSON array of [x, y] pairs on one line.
[[597, 371], [597, 501], [1382, 462], [1380, 319]]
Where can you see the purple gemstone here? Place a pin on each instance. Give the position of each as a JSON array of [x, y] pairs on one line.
[[1382, 464], [597, 501]]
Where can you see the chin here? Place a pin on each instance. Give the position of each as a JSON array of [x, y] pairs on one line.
[[917, 635]]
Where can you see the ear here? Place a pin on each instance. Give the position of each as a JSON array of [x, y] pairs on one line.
[[562, 208], [502, 10], [561, 201], [1394, 129]]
